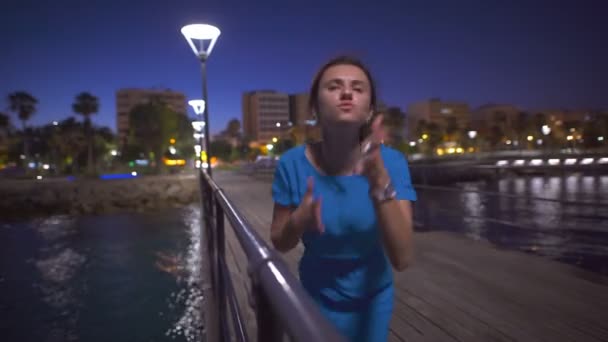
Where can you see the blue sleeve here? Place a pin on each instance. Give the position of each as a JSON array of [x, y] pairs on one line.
[[281, 191], [401, 179]]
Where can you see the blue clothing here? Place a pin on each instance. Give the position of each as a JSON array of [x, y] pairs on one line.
[[345, 269]]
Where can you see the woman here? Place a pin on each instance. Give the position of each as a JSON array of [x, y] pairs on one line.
[[347, 198]]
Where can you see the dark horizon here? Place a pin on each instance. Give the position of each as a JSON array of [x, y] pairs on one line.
[[539, 55]]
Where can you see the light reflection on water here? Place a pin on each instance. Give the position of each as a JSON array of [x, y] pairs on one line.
[[189, 325], [101, 278], [577, 234]]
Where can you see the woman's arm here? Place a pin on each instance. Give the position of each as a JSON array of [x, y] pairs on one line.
[[396, 225], [288, 225], [283, 234]]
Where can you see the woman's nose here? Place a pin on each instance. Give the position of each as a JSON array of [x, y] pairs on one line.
[[346, 94]]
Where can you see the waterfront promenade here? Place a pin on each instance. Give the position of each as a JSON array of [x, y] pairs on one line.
[[457, 289]]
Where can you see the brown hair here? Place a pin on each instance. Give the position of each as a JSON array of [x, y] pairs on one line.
[[313, 99]]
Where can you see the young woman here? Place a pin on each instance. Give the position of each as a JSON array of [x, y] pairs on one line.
[[347, 198]]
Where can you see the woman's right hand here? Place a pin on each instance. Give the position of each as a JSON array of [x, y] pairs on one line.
[[307, 215]]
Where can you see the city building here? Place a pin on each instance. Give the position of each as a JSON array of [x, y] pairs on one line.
[[266, 115], [127, 99], [438, 112], [504, 116], [299, 113]]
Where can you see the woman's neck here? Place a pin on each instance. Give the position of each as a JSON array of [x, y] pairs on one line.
[[339, 150]]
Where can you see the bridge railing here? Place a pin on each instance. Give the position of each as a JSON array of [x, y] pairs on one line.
[[281, 305]]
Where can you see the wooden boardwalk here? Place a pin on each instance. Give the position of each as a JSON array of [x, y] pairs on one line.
[[457, 289]]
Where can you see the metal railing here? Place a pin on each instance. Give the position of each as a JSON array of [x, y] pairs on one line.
[[281, 305]]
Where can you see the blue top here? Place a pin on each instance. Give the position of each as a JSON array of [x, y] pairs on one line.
[[348, 259]]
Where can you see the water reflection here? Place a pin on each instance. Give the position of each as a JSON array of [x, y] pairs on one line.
[[572, 232], [59, 265], [187, 272]]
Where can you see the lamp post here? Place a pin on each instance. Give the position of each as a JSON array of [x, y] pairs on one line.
[[202, 39], [198, 106]]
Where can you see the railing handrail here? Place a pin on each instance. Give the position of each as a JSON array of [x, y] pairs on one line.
[[288, 300]]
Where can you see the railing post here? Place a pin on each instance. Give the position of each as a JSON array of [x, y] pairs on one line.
[[221, 285], [269, 327]]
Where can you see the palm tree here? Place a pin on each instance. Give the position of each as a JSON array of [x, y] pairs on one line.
[[87, 105], [24, 105]]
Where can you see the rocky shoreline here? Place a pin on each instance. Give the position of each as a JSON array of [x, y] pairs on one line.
[[33, 198]]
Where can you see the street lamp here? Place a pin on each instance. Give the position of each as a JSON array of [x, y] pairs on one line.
[[198, 106], [202, 39]]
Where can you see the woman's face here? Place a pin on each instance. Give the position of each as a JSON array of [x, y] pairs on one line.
[[344, 95]]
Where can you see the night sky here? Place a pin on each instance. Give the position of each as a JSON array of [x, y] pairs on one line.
[[533, 54]]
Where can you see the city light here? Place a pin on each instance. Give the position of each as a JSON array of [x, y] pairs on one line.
[[472, 134], [46, 166], [530, 138], [425, 136], [274, 139], [269, 147], [603, 160], [553, 161], [587, 161], [600, 138], [197, 150], [502, 163], [569, 138], [570, 161], [519, 162], [508, 142], [198, 106], [175, 162], [114, 153], [278, 124], [198, 125], [546, 129], [38, 177], [55, 123], [172, 150], [539, 142], [172, 141], [134, 173], [412, 143], [536, 162]]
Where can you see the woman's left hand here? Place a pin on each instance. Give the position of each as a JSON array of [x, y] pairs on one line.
[[371, 164]]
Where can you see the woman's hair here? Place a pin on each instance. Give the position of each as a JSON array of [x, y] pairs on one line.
[[313, 99]]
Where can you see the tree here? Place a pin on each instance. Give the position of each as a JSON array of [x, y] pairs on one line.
[[68, 142], [233, 129], [87, 105], [24, 105], [221, 149], [152, 125]]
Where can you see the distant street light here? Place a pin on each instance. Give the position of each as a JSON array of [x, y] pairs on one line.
[[202, 39], [198, 106], [472, 134], [55, 123], [546, 129]]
